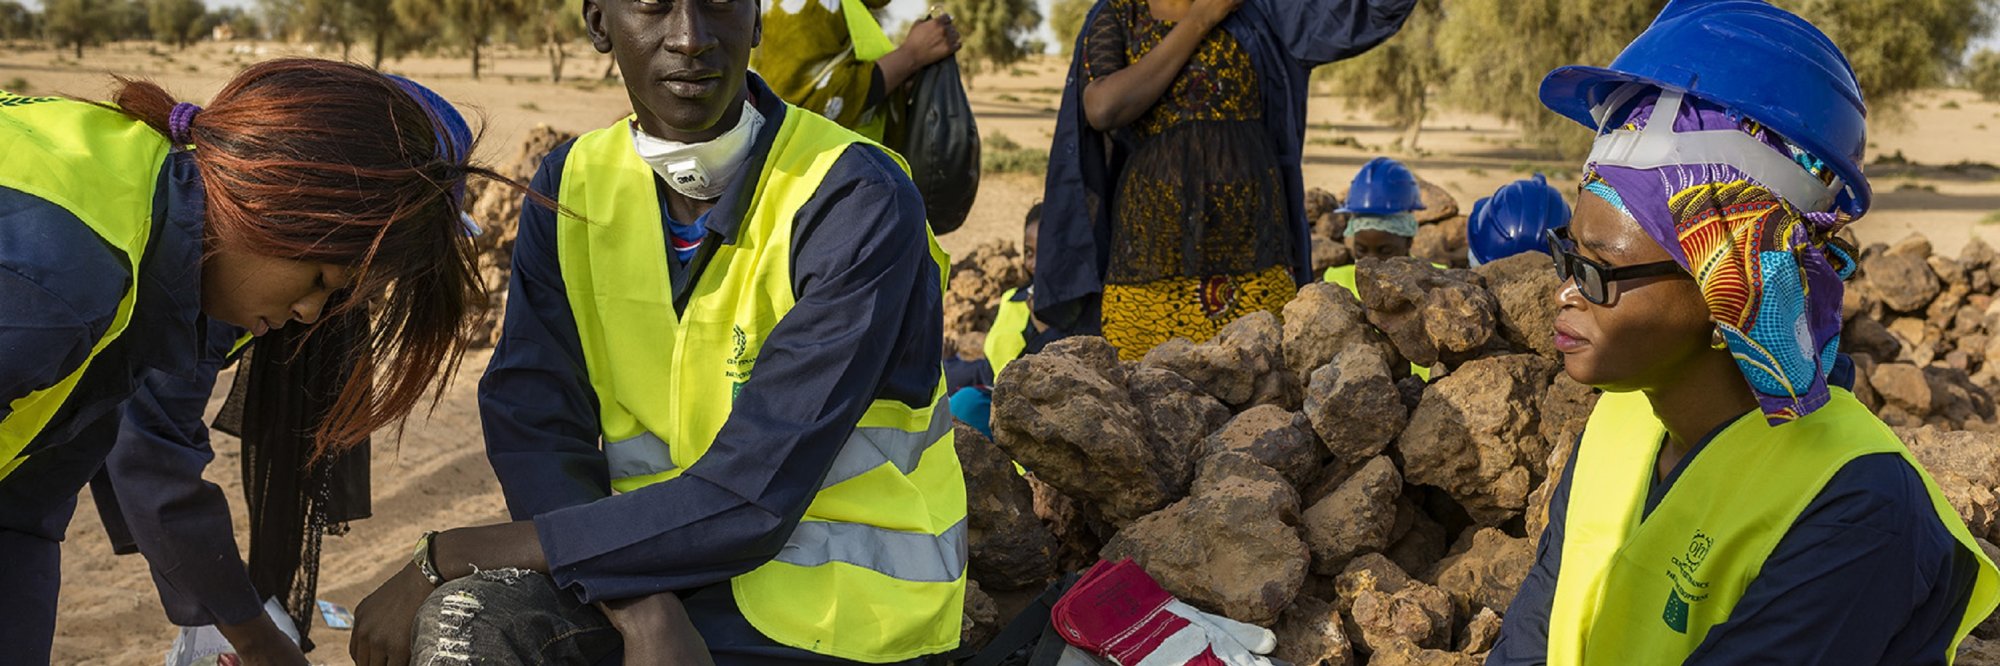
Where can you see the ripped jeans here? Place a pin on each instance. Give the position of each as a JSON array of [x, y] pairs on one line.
[[509, 616]]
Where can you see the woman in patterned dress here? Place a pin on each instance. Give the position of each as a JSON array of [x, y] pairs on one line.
[[1175, 204]]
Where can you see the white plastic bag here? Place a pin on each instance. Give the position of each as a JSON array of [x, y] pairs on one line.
[[205, 646]]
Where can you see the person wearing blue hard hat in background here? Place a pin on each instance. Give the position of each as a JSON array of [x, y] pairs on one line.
[[1514, 220], [1380, 224], [144, 238], [1729, 501]]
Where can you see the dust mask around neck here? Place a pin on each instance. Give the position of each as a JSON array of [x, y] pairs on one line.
[[701, 171]]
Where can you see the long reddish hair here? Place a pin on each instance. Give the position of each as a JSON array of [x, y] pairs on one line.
[[328, 162]]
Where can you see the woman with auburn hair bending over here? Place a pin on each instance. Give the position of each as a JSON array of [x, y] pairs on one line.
[[140, 238]]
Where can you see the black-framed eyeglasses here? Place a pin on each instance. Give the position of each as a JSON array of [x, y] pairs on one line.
[[1595, 279]]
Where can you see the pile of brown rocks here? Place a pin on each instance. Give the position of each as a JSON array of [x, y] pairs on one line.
[[1922, 328]]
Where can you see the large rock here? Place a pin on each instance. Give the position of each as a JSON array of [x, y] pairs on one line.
[[1320, 202], [1077, 541], [1011, 548], [1538, 501], [1439, 205], [1966, 466], [1903, 282], [1358, 517], [1418, 613], [1227, 549], [1176, 415], [1065, 413], [1484, 570], [1354, 405], [1477, 432], [982, 617], [1402, 652], [1565, 411], [1277, 438], [1429, 314], [1525, 284], [1242, 365], [1480, 633], [1904, 386], [1868, 336], [1310, 633], [1322, 321]]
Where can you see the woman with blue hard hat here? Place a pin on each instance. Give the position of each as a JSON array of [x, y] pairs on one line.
[[1514, 220], [143, 239], [1379, 220], [1730, 501]]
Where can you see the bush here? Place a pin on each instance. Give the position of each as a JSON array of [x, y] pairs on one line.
[[1000, 154], [1983, 76]]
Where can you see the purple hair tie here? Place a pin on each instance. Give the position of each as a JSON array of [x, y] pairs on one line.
[[178, 121]]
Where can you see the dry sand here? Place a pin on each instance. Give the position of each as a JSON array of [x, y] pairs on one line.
[[437, 476]]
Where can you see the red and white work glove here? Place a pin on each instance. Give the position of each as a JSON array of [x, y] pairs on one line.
[[1118, 612]]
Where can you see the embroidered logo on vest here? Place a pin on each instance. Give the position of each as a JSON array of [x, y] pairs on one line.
[[1687, 589], [739, 367]]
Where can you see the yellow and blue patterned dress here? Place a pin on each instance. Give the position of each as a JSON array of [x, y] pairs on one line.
[[1198, 233]]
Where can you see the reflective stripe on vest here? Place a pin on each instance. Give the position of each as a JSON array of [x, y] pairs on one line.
[[1004, 342], [102, 167], [868, 448], [875, 570], [1648, 592]]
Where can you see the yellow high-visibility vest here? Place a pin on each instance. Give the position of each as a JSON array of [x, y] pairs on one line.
[[875, 572], [101, 166], [1648, 592]]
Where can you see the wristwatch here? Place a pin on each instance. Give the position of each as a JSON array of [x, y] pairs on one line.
[[425, 561]]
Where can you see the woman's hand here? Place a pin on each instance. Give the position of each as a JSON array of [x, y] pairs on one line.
[[1210, 13], [656, 630], [259, 642], [933, 40], [385, 622], [930, 41]]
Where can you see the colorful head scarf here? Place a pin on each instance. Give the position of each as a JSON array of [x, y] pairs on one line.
[[1771, 277], [1400, 224]]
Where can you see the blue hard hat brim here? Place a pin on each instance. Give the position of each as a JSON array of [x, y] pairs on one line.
[[1574, 91]]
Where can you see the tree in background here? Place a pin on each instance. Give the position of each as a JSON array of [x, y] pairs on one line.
[[1983, 76], [176, 22], [1898, 46], [242, 24], [994, 32], [1495, 53], [344, 22], [76, 23], [551, 25], [1066, 21], [18, 22], [471, 22], [1396, 77]]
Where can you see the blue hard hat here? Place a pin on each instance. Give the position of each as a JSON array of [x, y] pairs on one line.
[[1749, 56], [1514, 220], [1383, 187]]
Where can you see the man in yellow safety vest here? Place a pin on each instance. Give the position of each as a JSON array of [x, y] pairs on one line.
[[716, 409]]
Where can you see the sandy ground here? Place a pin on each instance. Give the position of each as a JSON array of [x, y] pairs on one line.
[[437, 477]]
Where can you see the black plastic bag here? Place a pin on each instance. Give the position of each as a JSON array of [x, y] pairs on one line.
[[940, 140]]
